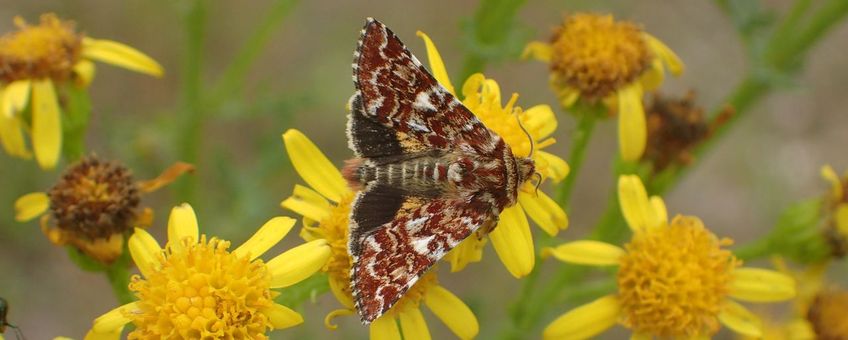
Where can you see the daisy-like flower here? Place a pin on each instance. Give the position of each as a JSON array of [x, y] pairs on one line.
[[512, 238], [197, 288], [836, 212], [35, 61], [93, 205], [674, 279], [595, 57], [325, 208]]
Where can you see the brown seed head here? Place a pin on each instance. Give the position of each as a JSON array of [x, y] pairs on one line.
[[95, 199], [47, 50], [828, 315]]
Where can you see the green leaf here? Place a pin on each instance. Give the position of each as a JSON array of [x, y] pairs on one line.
[[314, 286], [493, 35], [76, 105], [798, 235]]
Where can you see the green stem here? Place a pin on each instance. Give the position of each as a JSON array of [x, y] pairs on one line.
[[579, 142], [754, 250], [233, 76], [119, 280], [191, 129]]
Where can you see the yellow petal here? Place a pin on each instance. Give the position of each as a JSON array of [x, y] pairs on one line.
[[311, 164], [638, 211], [641, 336], [591, 253], [166, 177], [115, 53], [660, 212], [307, 203], [46, 124], [412, 325], [585, 321], [298, 263], [281, 316], [452, 311], [384, 328], [30, 206], [830, 175], [541, 119], [92, 335], [538, 50], [339, 289], [12, 137], [114, 319], [761, 285], [675, 65], [740, 320], [145, 251], [182, 224], [468, 251], [653, 77], [841, 217], [544, 211], [437, 66], [567, 95], [513, 242], [328, 320], [557, 169], [266, 237], [84, 70], [632, 130], [15, 97]]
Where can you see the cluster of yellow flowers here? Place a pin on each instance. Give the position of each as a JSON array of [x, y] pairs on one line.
[[674, 278]]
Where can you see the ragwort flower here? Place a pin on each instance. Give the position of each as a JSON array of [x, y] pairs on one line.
[[593, 57], [93, 206], [197, 288], [35, 60], [512, 239], [674, 279], [325, 208]]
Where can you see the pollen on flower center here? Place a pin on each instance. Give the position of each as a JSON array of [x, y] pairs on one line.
[[334, 228], [673, 279], [202, 291], [47, 50], [95, 199], [598, 55]]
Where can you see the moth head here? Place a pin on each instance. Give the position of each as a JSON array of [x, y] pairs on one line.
[[526, 168]]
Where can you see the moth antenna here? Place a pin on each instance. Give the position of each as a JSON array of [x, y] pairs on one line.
[[539, 182], [529, 137]]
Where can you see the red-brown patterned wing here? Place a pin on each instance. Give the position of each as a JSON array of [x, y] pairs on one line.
[[396, 91], [388, 260]]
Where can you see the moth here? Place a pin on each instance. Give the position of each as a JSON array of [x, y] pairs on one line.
[[427, 172]]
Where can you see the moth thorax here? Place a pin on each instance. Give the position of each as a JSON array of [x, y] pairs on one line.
[[526, 168]]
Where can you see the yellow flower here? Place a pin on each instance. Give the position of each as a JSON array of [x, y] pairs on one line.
[[512, 239], [195, 287], [325, 208], [94, 204], [836, 212], [33, 61], [674, 278], [594, 57]]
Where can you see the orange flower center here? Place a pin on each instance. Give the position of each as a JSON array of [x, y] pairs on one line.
[[47, 50], [597, 55]]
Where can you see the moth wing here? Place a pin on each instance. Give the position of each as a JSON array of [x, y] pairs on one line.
[[391, 251], [394, 90]]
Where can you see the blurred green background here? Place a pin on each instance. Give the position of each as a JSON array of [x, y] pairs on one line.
[[301, 79]]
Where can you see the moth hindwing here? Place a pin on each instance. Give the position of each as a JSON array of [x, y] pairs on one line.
[[427, 172]]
